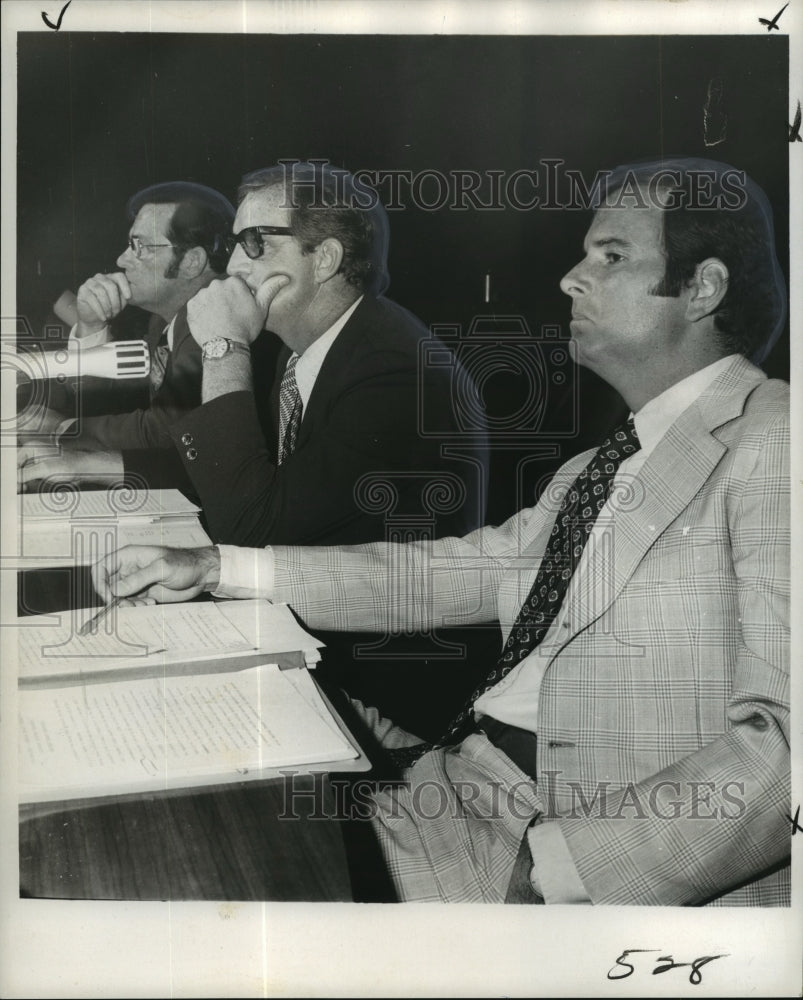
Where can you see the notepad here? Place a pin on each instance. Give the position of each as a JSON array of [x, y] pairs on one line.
[[153, 734], [157, 640]]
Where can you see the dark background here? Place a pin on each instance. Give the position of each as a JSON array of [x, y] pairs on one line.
[[101, 116]]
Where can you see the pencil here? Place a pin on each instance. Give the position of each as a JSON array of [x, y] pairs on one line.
[[92, 624]]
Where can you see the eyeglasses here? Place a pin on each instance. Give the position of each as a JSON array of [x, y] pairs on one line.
[[136, 246], [250, 239]]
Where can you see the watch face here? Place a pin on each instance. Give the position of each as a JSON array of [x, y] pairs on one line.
[[215, 348]]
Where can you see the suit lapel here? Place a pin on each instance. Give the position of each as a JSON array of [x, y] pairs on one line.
[[181, 329], [668, 481], [337, 366], [156, 325]]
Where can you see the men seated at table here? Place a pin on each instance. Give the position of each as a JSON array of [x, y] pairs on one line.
[[309, 261], [631, 744], [177, 245], [335, 451]]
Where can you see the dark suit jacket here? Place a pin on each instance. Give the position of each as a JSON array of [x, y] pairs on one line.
[[148, 427], [381, 454], [384, 452], [370, 451]]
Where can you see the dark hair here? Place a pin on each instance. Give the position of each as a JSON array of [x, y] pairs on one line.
[[711, 209], [203, 218], [326, 201]]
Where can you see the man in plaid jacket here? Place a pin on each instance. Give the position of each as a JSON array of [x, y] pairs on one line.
[[638, 750]]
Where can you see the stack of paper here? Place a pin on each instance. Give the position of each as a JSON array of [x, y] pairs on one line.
[[157, 640], [167, 696], [153, 734], [80, 526]]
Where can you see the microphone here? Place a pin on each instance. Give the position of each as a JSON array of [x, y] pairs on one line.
[[119, 359]]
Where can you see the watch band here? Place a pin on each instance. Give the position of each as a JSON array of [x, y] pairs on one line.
[[219, 347]]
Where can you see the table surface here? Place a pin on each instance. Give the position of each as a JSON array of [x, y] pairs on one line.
[[262, 840]]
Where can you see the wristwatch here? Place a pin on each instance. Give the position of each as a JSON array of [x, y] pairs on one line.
[[219, 347]]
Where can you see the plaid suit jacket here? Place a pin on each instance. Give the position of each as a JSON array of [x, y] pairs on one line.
[[663, 721]]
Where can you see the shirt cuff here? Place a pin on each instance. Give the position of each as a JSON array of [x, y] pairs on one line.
[[102, 336], [245, 573], [554, 875]]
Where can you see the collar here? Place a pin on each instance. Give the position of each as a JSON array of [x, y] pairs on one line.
[[170, 331], [655, 418], [311, 361]]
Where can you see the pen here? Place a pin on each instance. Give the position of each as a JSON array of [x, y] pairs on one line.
[[96, 619]]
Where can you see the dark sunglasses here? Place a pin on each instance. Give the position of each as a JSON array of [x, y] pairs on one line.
[[250, 239]]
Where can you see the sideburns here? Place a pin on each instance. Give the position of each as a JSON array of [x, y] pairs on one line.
[[171, 271]]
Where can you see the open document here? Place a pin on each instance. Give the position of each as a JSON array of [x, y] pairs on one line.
[[157, 640], [152, 734]]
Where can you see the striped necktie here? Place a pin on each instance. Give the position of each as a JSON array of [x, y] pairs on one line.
[[573, 525], [289, 410], [159, 358]]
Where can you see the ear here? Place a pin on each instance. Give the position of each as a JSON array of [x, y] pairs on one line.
[[193, 263], [707, 288], [328, 258]]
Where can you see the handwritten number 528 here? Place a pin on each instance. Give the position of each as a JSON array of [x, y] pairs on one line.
[[622, 969]]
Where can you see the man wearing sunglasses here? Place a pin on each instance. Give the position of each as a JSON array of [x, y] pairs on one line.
[[315, 457], [629, 743], [333, 452], [177, 245], [309, 263]]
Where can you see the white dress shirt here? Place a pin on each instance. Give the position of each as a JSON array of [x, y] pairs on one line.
[[311, 361]]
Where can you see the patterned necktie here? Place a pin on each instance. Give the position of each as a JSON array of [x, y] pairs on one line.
[[159, 363], [573, 525], [289, 410]]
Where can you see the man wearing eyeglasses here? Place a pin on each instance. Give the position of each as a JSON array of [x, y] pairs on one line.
[[345, 400], [334, 452], [312, 459], [177, 245], [309, 263], [629, 743]]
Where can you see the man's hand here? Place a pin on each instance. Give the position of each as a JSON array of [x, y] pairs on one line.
[[227, 308], [99, 300], [38, 423], [47, 462], [144, 572]]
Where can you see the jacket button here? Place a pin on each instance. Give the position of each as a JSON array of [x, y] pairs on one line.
[[186, 439], [192, 454]]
